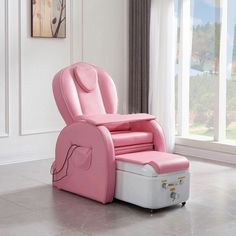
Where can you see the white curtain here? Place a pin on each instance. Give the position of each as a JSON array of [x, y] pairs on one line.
[[162, 67]]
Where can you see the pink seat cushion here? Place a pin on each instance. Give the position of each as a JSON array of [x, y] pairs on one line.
[[162, 162], [126, 138], [123, 126]]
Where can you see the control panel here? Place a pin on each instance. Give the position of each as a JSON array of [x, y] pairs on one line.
[[172, 186]]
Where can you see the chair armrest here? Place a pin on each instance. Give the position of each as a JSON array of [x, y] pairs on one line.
[[99, 174], [114, 118]]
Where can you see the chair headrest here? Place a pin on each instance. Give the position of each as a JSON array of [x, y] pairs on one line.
[[86, 76]]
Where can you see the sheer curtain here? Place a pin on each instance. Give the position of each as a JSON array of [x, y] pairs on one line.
[[162, 66]]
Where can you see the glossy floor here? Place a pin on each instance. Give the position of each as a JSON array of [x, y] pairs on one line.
[[30, 206]]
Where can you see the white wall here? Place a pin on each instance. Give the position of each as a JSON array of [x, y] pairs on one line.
[[29, 120], [105, 32]]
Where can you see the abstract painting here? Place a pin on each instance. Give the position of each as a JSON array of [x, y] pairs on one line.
[[48, 18]]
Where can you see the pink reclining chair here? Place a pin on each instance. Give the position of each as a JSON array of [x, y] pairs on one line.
[[102, 155]]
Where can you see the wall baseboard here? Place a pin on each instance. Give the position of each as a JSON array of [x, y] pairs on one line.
[[25, 158], [205, 154], [179, 149]]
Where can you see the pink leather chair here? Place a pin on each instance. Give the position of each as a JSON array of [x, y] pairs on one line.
[[102, 155]]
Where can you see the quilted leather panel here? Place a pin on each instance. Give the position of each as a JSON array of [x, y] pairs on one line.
[[127, 138]]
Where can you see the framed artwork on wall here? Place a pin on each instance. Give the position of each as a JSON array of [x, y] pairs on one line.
[[48, 18]]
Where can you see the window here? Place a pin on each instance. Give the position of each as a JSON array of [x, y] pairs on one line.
[[206, 65]]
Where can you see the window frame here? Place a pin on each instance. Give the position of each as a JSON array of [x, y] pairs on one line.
[[219, 142]]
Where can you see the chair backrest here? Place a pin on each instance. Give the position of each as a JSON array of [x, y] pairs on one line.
[[84, 89]]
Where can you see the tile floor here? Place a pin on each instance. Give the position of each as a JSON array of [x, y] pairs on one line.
[[29, 206]]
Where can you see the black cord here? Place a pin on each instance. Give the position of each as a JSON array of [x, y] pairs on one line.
[[66, 161], [73, 145]]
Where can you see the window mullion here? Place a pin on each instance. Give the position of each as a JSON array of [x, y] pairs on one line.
[[184, 67], [220, 109]]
